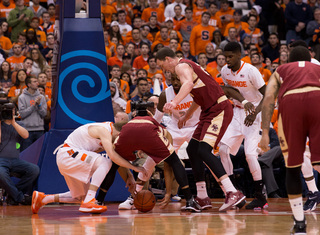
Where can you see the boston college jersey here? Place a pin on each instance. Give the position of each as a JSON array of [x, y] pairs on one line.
[[182, 108], [81, 140], [306, 72], [247, 80], [206, 91]]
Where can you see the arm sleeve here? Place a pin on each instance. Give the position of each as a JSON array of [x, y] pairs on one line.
[[158, 116]]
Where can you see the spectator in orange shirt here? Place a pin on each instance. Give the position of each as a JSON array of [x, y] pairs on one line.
[[256, 33], [117, 59], [153, 10], [215, 20], [178, 16], [17, 59], [5, 7], [5, 42], [199, 9], [251, 49], [238, 24], [16, 90], [136, 39], [47, 26], [216, 72], [186, 25], [107, 10], [164, 37], [174, 44], [169, 24], [142, 60], [201, 35], [152, 68], [202, 61], [225, 13], [42, 37], [137, 23], [256, 61]]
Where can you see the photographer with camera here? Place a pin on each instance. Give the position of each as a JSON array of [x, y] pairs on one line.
[[32, 109], [10, 165]]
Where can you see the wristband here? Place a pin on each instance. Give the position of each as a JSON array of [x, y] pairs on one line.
[[244, 102]]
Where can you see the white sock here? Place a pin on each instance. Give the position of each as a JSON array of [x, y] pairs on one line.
[[312, 185], [297, 208], [228, 186], [63, 197], [201, 189], [48, 199], [90, 195]]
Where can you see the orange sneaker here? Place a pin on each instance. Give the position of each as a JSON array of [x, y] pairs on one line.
[[37, 203], [92, 207]]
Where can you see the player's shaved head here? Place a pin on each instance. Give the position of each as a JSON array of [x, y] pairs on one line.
[[299, 53]]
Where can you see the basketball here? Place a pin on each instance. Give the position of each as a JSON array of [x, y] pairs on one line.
[[144, 201]]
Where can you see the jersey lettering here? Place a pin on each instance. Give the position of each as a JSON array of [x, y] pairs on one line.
[[205, 35], [189, 28], [184, 105], [237, 83]]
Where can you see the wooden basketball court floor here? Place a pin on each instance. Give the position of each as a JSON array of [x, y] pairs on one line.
[[66, 219]]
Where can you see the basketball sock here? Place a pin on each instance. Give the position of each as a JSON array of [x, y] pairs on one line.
[[258, 186], [48, 199], [201, 189], [90, 195], [101, 167], [297, 208], [224, 151], [312, 185], [228, 186], [101, 195]]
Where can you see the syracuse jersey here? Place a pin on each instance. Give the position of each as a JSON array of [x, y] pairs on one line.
[[247, 80], [81, 140]]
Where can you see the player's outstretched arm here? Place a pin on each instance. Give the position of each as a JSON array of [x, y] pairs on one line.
[[159, 111], [168, 178], [127, 177], [184, 73], [268, 108]]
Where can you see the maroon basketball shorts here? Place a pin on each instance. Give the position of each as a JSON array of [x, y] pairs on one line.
[[299, 118]]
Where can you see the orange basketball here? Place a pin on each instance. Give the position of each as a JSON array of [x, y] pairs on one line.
[[144, 201]]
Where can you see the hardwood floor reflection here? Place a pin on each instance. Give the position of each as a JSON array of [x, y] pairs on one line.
[[66, 219]]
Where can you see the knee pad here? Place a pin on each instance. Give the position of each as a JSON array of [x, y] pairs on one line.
[[149, 165], [293, 181]]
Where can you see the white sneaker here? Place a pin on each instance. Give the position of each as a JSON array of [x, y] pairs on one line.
[[175, 198], [127, 205]]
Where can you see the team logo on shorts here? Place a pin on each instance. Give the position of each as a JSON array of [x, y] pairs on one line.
[[215, 128]]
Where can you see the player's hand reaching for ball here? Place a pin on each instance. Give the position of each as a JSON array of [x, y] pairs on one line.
[[165, 201], [131, 185], [249, 108]]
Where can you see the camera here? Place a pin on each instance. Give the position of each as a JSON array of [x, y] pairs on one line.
[[141, 107], [6, 110]]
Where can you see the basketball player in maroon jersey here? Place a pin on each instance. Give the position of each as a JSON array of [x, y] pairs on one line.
[[297, 87], [216, 114]]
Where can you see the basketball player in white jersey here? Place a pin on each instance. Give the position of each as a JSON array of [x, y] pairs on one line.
[[249, 82], [179, 136], [79, 161]]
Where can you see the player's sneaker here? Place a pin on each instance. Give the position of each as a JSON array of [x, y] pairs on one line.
[[232, 199], [205, 203], [175, 198], [192, 205], [127, 204], [37, 203], [259, 202], [299, 227], [312, 201], [92, 207]]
